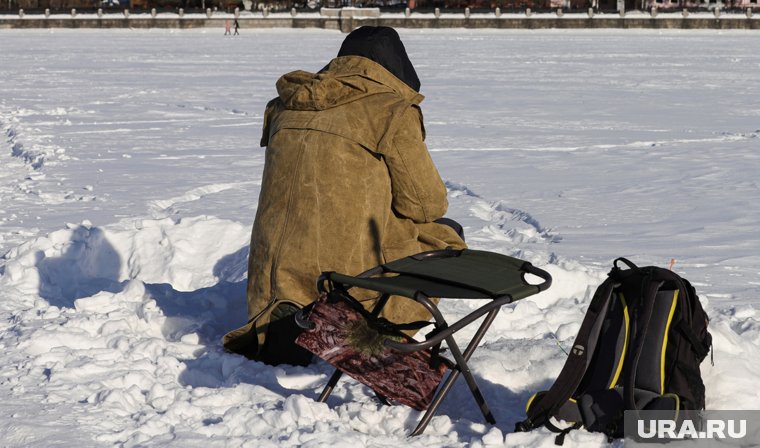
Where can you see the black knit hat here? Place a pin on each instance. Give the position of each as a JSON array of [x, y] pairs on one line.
[[383, 45]]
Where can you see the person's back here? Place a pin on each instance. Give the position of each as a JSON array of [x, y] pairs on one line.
[[348, 184]]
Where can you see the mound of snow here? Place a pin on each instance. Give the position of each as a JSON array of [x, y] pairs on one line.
[[118, 328], [81, 260], [122, 324]]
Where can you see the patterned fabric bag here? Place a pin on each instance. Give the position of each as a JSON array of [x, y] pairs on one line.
[[349, 338]]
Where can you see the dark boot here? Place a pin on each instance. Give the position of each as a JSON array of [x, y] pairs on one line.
[[279, 346]]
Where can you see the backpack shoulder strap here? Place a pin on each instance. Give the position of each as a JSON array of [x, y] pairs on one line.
[[652, 282], [577, 362], [649, 289]]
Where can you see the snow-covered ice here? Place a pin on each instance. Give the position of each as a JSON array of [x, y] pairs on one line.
[[130, 168]]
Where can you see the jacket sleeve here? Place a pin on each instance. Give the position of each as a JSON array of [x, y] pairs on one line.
[[273, 106], [418, 190]]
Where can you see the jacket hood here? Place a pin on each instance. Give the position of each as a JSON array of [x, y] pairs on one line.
[[343, 80], [383, 45]]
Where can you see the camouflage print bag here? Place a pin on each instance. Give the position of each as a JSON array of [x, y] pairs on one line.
[[347, 337]]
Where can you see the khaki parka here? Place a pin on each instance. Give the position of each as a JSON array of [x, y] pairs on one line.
[[348, 184]]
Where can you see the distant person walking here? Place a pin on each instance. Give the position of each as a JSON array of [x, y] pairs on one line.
[[237, 27], [227, 27]]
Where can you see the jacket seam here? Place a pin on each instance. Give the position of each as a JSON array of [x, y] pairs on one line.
[[288, 212], [425, 214]]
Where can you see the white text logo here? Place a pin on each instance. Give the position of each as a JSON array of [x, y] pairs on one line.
[[711, 429]]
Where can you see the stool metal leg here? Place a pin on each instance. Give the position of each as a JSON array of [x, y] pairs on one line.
[[330, 385], [462, 359], [462, 368], [435, 403]]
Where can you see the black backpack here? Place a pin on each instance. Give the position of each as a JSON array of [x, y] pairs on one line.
[[639, 348]]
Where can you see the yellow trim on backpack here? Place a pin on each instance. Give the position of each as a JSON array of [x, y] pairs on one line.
[[627, 318], [530, 400], [665, 342], [678, 404]]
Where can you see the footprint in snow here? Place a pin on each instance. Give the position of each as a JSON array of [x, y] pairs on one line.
[[503, 222]]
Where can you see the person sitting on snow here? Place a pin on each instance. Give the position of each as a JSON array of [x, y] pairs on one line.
[[348, 184]]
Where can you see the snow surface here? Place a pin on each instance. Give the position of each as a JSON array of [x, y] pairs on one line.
[[130, 168]]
